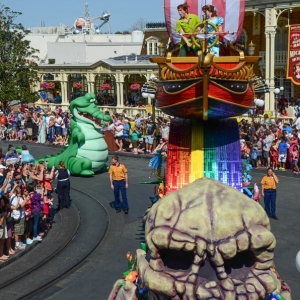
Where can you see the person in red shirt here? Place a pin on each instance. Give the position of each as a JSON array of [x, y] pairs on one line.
[[274, 153], [3, 119]]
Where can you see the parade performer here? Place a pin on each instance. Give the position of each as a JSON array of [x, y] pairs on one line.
[[210, 14], [184, 25], [268, 191], [119, 183], [87, 152]]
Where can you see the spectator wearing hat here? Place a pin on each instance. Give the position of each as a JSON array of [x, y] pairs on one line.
[[150, 133], [118, 130]]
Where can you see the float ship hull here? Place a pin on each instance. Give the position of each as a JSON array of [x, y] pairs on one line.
[[191, 88]]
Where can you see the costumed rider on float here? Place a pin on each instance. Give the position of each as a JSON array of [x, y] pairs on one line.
[[184, 26], [193, 30]]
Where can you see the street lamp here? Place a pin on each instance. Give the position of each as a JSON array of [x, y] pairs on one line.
[[161, 49], [277, 91], [251, 48]]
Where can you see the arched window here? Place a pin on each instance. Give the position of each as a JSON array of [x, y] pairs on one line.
[[134, 97], [106, 96], [78, 85]]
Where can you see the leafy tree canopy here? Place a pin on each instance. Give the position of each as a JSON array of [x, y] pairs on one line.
[[18, 62]]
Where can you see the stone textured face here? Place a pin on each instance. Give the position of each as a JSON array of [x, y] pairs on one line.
[[208, 241]]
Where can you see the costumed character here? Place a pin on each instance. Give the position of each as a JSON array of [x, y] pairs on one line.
[[185, 25], [210, 14], [87, 152], [26, 156], [297, 71]]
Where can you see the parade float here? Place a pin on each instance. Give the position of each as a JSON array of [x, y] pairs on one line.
[[204, 239], [87, 151]]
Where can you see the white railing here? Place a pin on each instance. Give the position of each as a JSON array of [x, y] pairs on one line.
[[280, 58]]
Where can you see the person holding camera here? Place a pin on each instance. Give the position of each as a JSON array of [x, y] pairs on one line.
[[17, 203], [268, 191]]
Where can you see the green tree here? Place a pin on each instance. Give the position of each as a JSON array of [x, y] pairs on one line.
[[18, 62]]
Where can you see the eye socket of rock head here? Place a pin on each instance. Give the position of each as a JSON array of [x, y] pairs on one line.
[[177, 259], [236, 267], [239, 266]]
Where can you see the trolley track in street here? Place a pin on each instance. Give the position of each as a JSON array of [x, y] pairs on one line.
[[70, 254]]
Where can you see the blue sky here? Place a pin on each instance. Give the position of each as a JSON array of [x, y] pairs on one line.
[[124, 13]]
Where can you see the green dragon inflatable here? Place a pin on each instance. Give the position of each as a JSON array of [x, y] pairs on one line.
[[87, 152]]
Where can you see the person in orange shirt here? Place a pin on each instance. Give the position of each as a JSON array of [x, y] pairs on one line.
[[268, 191], [119, 183]]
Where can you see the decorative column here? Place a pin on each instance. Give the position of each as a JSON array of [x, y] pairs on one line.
[[64, 92], [120, 89], [270, 32], [118, 94]]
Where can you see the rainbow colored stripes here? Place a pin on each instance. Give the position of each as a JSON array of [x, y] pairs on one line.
[[203, 149]]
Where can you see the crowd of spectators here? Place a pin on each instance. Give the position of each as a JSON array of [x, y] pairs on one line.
[[139, 135], [35, 124], [269, 143], [25, 200]]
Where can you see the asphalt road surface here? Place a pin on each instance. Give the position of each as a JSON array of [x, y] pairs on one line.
[[94, 279]]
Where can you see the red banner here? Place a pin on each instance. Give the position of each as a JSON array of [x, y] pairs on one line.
[[293, 57]]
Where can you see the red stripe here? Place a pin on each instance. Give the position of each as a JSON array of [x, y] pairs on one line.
[[193, 7], [241, 18]]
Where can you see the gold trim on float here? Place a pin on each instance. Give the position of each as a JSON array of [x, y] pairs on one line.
[[198, 98], [175, 93], [194, 59], [226, 89]]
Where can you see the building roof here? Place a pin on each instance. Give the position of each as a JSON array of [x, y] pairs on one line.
[[257, 4]]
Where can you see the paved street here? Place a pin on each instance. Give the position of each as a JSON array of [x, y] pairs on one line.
[[107, 263]]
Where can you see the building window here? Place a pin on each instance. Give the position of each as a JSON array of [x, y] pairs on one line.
[[285, 39], [152, 46], [278, 40]]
